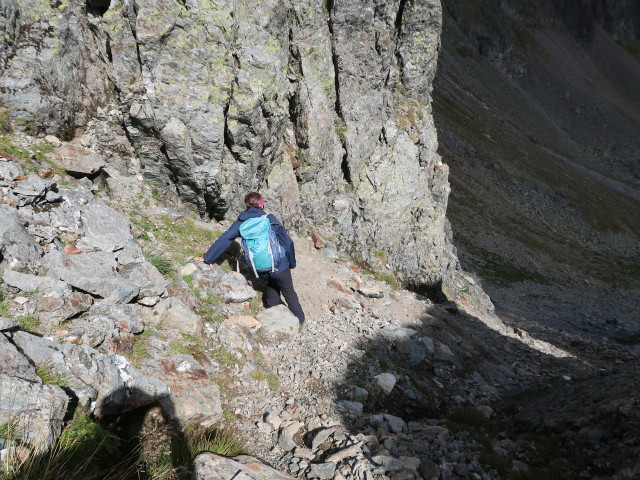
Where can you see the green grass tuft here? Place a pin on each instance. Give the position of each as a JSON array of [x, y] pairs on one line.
[[47, 376], [273, 381], [163, 265], [29, 324]]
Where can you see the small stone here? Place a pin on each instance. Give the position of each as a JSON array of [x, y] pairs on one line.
[[371, 292], [340, 455], [396, 424], [244, 321], [386, 382], [461, 469], [52, 140], [302, 452], [274, 420], [285, 440], [322, 470], [188, 269], [263, 428]]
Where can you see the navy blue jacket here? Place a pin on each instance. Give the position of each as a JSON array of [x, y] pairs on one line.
[[225, 240]]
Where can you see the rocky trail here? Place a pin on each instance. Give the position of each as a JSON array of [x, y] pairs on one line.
[[380, 382]]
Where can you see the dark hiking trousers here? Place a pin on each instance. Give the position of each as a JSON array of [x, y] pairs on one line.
[[282, 283]]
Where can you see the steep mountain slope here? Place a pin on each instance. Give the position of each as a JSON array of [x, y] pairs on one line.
[[538, 115]]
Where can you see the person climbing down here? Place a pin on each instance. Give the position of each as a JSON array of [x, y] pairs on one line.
[[269, 252]]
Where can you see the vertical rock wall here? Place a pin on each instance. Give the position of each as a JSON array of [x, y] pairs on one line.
[[325, 105]]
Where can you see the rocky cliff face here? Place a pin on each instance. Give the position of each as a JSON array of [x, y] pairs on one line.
[[324, 106]]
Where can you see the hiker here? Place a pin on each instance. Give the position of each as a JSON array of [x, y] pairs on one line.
[[279, 280]]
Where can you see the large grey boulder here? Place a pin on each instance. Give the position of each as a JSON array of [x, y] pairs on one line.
[[175, 315], [76, 159], [105, 325], [103, 228], [35, 411], [15, 364], [54, 308], [10, 170], [92, 272], [18, 250], [278, 319], [209, 466], [233, 288], [106, 384], [30, 283], [146, 277]]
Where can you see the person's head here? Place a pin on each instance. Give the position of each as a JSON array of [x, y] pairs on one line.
[[254, 199]]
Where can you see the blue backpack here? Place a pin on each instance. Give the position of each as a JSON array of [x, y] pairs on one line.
[[261, 248]]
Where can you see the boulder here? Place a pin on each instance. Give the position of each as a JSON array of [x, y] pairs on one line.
[[195, 398], [206, 277], [104, 228], [209, 466], [232, 336], [233, 288], [76, 159], [18, 250], [34, 410], [93, 272], [278, 319], [31, 283], [10, 170], [15, 364], [54, 308], [386, 382], [146, 277], [351, 409], [324, 470], [175, 315], [8, 323], [106, 325]]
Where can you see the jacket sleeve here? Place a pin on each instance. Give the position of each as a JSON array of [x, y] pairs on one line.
[[223, 242], [285, 241]]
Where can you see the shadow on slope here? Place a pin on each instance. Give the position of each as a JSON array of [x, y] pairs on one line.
[[541, 130], [505, 401]]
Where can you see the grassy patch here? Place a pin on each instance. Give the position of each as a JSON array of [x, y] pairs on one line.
[[273, 382], [47, 376], [493, 459], [139, 349], [209, 314], [5, 121], [259, 359], [253, 307], [163, 264], [180, 238], [4, 308], [220, 442], [29, 324], [226, 358]]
